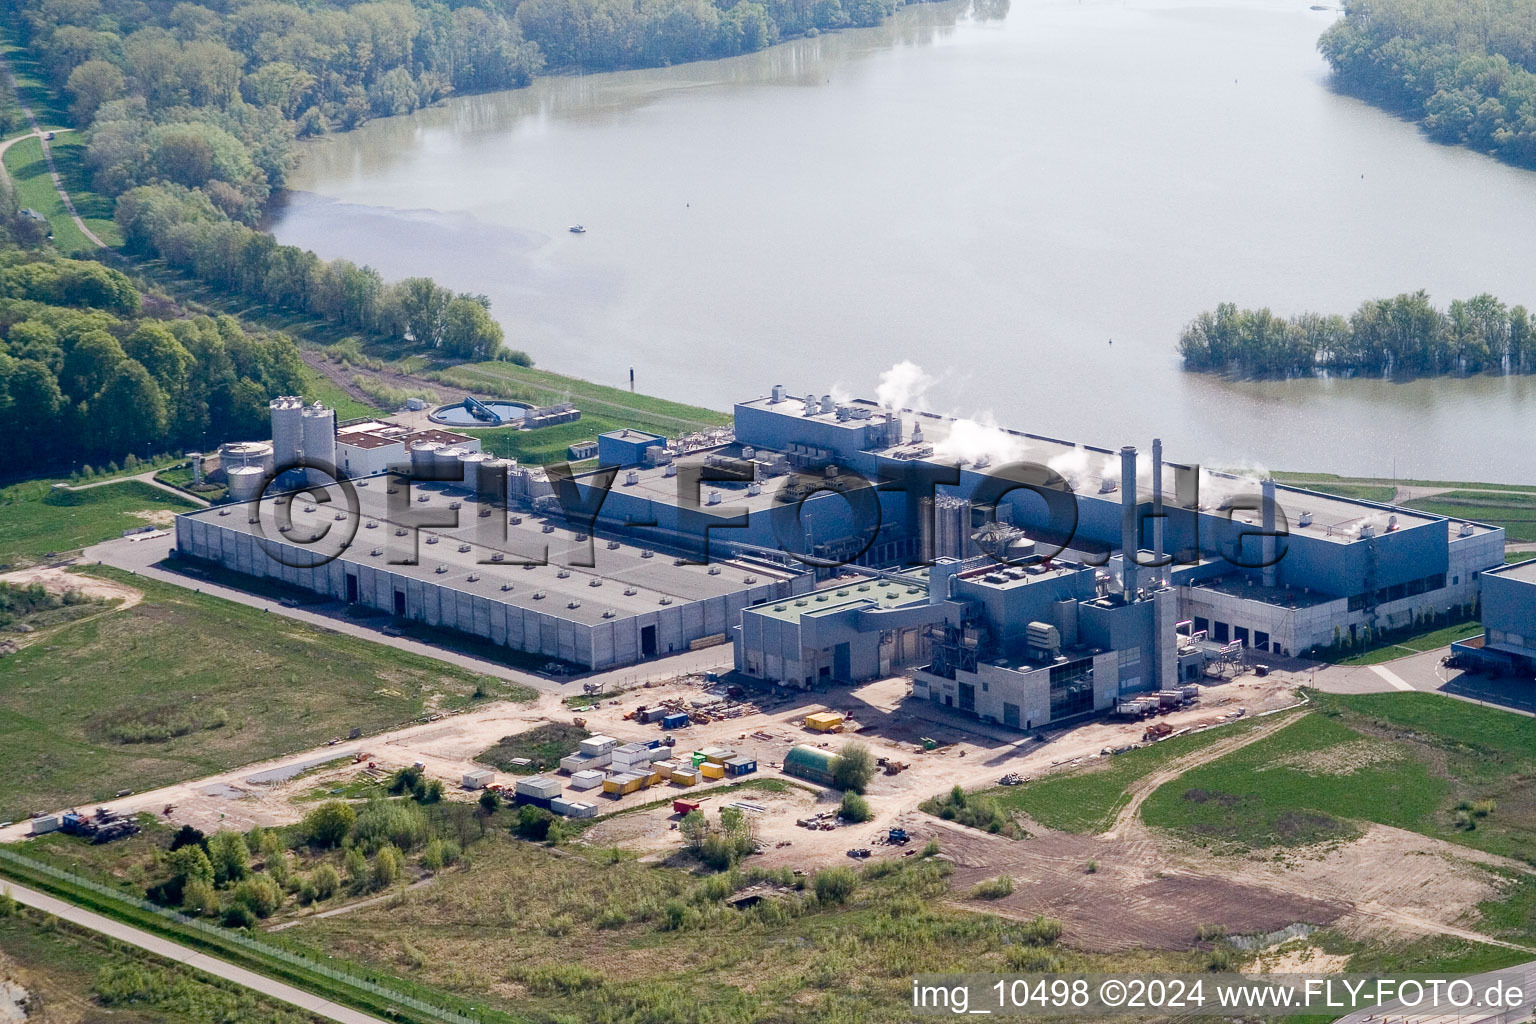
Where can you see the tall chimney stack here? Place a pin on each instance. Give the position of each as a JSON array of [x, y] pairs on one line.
[[1267, 490], [1128, 543], [1160, 574]]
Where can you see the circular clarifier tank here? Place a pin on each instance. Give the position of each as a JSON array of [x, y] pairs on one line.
[[479, 414]]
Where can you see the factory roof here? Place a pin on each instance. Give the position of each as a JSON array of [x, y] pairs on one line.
[[1522, 572], [1094, 472], [624, 578], [886, 593], [1006, 577], [362, 439], [665, 483]]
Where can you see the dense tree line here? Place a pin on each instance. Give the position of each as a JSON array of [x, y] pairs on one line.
[[1465, 71], [84, 375], [1405, 335], [182, 226]]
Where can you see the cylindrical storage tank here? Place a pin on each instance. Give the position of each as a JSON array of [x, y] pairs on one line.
[[491, 483], [448, 466], [424, 457], [287, 431], [319, 443], [245, 453], [471, 463], [245, 482]]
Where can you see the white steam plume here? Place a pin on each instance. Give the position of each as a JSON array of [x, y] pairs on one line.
[[903, 386]]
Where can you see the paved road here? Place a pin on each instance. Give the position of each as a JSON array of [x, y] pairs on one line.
[[182, 955], [1422, 672], [1522, 976], [53, 172]]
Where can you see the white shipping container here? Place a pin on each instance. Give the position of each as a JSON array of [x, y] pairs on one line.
[[598, 744], [634, 753], [478, 779], [574, 763], [589, 779], [539, 785]]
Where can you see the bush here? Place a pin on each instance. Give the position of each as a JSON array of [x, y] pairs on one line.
[[404, 780], [1040, 931], [384, 821], [835, 885], [439, 853], [238, 915], [853, 767], [855, 808], [326, 881], [533, 822], [262, 895], [230, 856], [388, 867], [198, 897], [328, 825], [993, 888], [490, 801], [931, 848]]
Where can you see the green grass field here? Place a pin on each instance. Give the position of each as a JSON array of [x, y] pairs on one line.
[[1516, 512], [36, 520], [1086, 801], [1416, 761], [544, 745], [185, 685], [508, 380], [1307, 783]]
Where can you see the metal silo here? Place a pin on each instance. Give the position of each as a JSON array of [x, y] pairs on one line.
[[491, 481], [319, 444], [245, 482], [423, 458], [471, 463], [287, 431]]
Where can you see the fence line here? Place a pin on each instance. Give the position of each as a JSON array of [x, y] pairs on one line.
[[228, 935]]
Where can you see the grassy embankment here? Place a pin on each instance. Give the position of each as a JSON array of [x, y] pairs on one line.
[[74, 975], [1512, 506], [36, 520], [185, 685], [1429, 764]]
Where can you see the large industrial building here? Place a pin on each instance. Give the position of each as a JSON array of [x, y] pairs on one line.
[[1021, 578], [1508, 642]]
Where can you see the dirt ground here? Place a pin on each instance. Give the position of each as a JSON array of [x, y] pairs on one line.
[[57, 581], [1146, 890]]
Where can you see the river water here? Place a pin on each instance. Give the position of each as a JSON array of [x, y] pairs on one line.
[[1028, 206]]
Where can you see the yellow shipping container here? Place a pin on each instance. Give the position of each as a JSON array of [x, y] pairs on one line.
[[823, 721], [663, 768], [611, 786], [711, 770], [684, 777]]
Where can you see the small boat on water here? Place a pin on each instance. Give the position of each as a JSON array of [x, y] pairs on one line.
[[577, 229]]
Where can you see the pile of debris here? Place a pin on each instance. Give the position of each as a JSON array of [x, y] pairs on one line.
[[102, 827]]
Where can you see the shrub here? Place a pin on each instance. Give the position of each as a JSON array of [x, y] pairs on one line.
[[490, 801], [1028, 958], [533, 822], [853, 767], [384, 821], [1040, 931], [993, 888], [1210, 932], [198, 897], [328, 825], [1092, 867], [326, 881], [855, 808], [931, 848], [404, 780], [439, 853], [262, 895], [388, 866], [238, 915], [835, 885]]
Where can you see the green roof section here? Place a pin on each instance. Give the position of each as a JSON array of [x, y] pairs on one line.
[[885, 593]]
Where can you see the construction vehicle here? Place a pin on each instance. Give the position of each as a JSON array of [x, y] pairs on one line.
[[898, 836], [1157, 731], [1011, 779], [684, 806]]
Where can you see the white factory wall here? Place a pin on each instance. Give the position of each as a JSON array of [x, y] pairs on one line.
[[610, 643]]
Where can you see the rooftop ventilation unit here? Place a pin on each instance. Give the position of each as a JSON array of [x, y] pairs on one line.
[[376, 552], [473, 577], [538, 595], [647, 553], [778, 393], [1464, 530], [549, 528], [631, 478], [455, 505], [1305, 519], [714, 570], [431, 540], [609, 613], [594, 582], [442, 569], [671, 470], [754, 489], [666, 600], [423, 497], [506, 586], [613, 545], [223, 511], [749, 579], [463, 549], [1107, 486], [630, 591], [573, 603], [497, 557], [515, 520], [401, 532], [563, 574]]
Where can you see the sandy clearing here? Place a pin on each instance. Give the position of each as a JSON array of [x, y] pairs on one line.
[[57, 581]]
